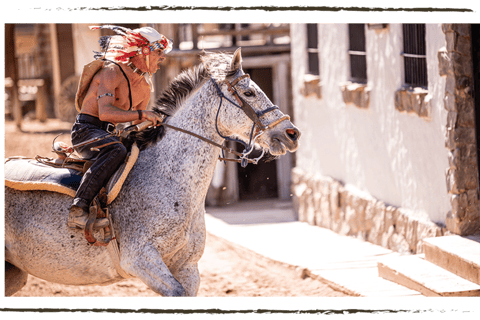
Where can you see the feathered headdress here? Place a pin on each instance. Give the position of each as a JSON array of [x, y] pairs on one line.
[[128, 43]]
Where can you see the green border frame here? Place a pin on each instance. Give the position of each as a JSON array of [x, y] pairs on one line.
[[29, 11]]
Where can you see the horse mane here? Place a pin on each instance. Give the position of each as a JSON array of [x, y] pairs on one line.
[[215, 65]]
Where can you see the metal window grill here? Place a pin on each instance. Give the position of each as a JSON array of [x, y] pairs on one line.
[[357, 52], [414, 55], [312, 49]]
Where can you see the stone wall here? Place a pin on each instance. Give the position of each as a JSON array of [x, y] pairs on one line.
[[357, 94], [327, 203], [455, 63]]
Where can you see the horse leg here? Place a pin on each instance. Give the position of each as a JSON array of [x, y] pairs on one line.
[[189, 277], [146, 263], [15, 279]]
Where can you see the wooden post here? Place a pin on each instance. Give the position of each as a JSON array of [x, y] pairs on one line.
[[41, 103], [57, 77], [195, 35], [12, 72]]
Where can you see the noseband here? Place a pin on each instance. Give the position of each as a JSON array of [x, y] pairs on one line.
[[257, 126]]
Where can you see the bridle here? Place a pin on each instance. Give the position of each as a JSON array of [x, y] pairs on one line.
[[257, 128]]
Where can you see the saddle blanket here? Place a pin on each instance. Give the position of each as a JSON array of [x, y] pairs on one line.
[[29, 174]]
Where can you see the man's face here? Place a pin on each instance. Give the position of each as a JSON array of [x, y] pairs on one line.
[[155, 59]]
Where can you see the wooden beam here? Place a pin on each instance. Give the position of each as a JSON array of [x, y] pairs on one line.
[[11, 71]]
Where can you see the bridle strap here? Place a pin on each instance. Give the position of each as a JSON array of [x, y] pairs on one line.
[[229, 150], [243, 104]]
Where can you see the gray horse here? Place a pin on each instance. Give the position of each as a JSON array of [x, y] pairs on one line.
[[158, 216]]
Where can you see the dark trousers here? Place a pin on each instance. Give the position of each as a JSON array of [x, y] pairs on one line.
[[106, 161]]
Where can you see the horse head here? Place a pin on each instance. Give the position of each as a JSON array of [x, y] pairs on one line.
[[251, 117]]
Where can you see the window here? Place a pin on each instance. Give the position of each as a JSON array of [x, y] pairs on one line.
[[357, 52], [414, 57], [312, 49]]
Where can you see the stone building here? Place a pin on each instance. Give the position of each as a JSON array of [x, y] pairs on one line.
[[388, 115]]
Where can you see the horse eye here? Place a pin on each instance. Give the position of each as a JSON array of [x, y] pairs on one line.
[[249, 93]]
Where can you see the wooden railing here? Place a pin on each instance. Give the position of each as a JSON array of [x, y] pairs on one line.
[[230, 34]]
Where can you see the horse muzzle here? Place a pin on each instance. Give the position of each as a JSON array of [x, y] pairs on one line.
[[282, 139]]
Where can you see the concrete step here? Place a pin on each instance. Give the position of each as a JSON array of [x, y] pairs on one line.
[[415, 273], [459, 255]]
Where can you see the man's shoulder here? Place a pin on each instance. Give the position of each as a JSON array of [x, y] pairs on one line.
[[110, 71]]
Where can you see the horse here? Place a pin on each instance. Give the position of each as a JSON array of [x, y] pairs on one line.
[[158, 216]]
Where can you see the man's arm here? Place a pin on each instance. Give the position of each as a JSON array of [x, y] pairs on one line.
[[110, 79]]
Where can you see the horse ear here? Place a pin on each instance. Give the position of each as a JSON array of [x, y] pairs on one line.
[[237, 60]]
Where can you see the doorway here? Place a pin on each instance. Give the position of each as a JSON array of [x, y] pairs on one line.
[[258, 181]]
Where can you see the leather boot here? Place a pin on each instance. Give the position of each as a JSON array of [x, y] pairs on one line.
[[77, 219]]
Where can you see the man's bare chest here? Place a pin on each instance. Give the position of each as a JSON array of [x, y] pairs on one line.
[[131, 95]]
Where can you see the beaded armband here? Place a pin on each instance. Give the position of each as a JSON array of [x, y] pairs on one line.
[[106, 94]]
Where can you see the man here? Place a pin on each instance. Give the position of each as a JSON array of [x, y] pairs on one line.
[[113, 89]]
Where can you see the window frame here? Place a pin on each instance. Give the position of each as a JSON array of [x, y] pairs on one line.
[[358, 72], [415, 71], [313, 54]]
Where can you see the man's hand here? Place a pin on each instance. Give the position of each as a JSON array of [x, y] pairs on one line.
[[151, 116]]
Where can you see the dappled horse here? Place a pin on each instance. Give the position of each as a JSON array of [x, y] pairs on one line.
[[158, 216]]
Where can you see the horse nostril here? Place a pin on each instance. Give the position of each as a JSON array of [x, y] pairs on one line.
[[293, 134]]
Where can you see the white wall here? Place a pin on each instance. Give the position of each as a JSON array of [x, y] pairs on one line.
[[397, 158]]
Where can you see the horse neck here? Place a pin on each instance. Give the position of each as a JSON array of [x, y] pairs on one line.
[[186, 158]]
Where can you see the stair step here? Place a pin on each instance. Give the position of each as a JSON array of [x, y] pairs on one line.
[[430, 280], [459, 255]]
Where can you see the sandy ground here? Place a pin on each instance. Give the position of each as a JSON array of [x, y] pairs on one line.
[[226, 270]]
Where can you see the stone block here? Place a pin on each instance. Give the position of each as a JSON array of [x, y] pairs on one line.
[[449, 102], [398, 243], [467, 119], [463, 156], [464, 102], [459, 205], [452, 119], [425, 107], [399, 98], [450, 87], [390, 216], [356, 93], [462, 29], [447, 27], [444, 62], [312, 87], [335, 197], [467, 177], [297, 175], [463, 44], [472, 211], [411, 234], [451, 181], [451, 39], [378, 224], [464, 136], [385, 237], [462, 64], [401, 221]]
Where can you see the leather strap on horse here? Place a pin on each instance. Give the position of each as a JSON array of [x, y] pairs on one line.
[[97, 148], [238, 154], [243, 104]]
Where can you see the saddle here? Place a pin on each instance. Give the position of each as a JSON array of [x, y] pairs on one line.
[[63, 175]]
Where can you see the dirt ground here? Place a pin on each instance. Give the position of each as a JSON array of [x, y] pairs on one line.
[[226, 271]]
